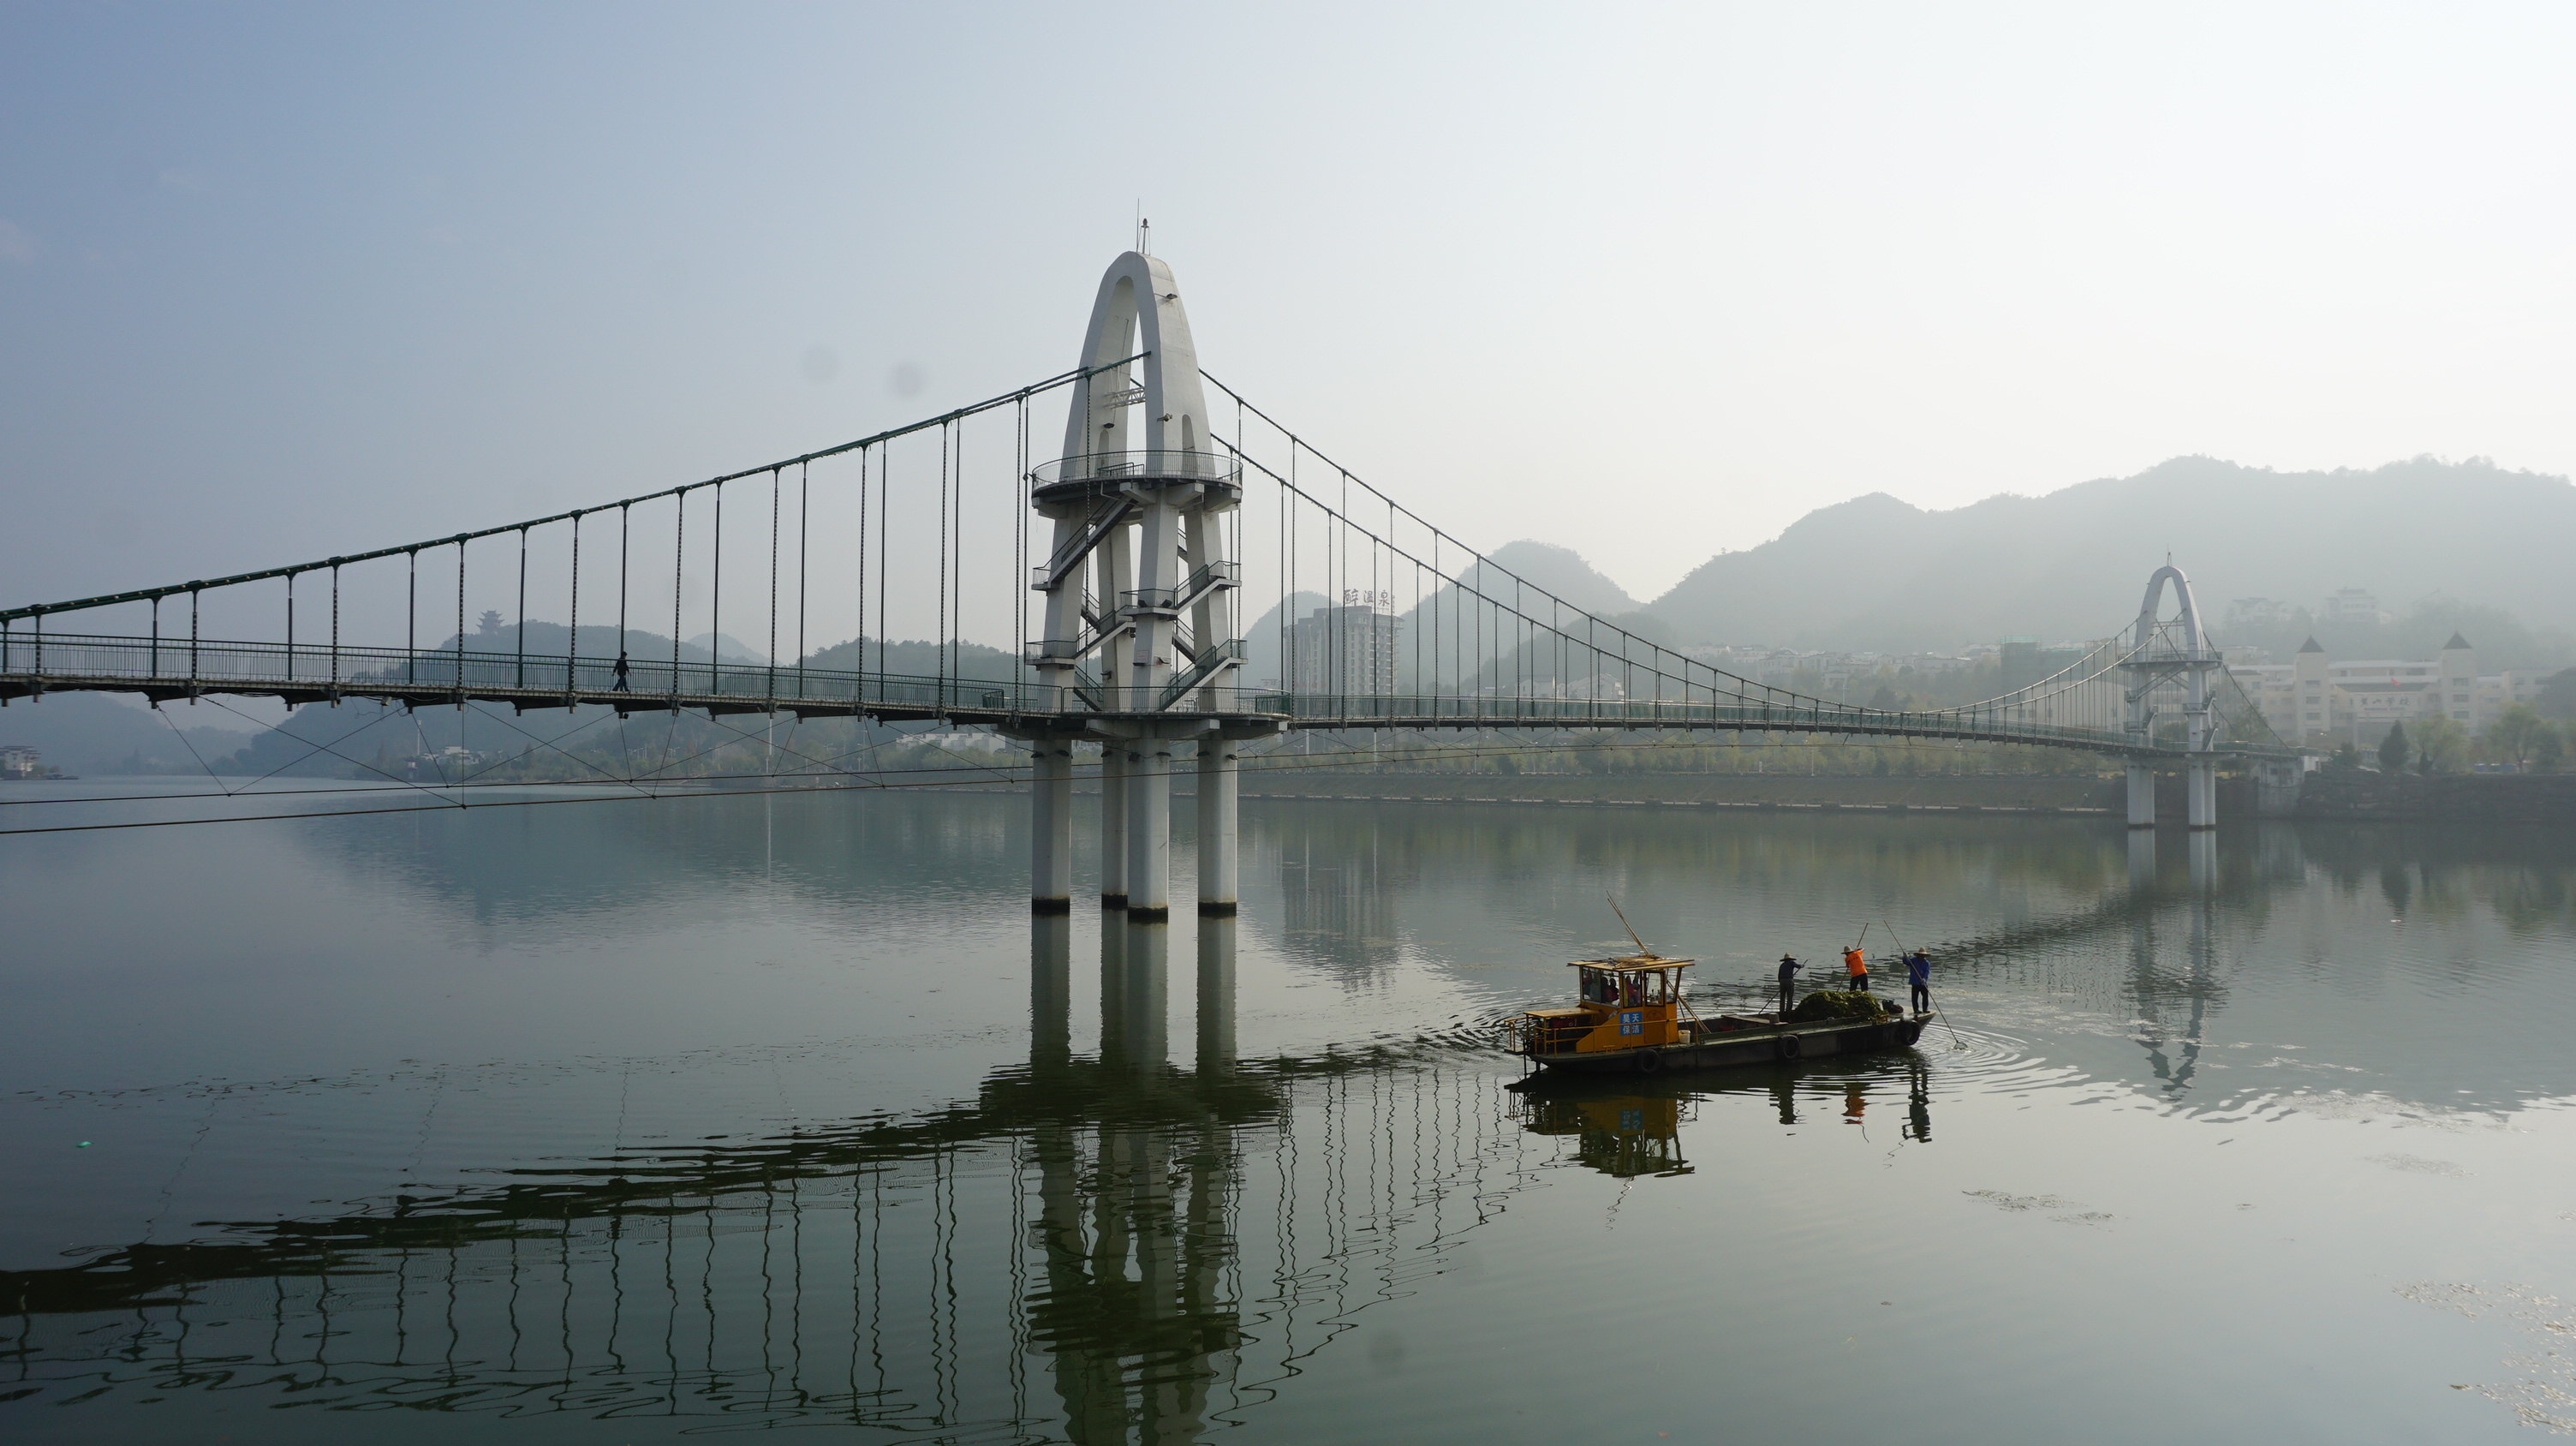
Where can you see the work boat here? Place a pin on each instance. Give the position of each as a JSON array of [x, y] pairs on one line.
[[1629, 1016]]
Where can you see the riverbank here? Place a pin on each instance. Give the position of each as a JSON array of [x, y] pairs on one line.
[[2543, 798]]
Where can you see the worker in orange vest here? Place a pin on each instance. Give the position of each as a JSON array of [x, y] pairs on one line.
[[1857, 968]]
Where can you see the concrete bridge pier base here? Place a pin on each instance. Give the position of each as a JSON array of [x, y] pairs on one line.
[[2200, 777], [1149, 832], [2142, 796], [1217, 773], [1113, 825], [1051, 827]]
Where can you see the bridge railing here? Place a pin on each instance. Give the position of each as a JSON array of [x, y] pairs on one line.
[[1471, 710], [180, 665], [211, 665], [1157, 463]]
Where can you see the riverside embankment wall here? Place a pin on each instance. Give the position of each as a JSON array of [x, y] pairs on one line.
[[2520, 798]]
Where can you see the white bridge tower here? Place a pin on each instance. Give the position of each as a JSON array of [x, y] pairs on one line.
[[1141, 644], [2159, 653]]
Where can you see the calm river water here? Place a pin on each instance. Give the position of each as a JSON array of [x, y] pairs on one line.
[[623, 1123]]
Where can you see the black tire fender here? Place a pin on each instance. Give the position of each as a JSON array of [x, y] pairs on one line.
[[1790, 1046], [1648, 1062]]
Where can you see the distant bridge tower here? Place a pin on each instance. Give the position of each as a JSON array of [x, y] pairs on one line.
[[1141, 577], [2159, 653]]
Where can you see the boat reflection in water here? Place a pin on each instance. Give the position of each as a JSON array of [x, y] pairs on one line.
[[1629, 1128], [1107, 1248], [1614, 1131]]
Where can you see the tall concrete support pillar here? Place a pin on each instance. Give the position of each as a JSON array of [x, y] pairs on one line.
[[2201, 790], [1149, 832], [1051, 827], [1217, 772], [1113, 824], [2142, 796]]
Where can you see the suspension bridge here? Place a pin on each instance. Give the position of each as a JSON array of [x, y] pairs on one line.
[[1120, 568]]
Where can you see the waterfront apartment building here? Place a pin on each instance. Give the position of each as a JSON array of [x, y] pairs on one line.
[[19, 761], [2314, 698]]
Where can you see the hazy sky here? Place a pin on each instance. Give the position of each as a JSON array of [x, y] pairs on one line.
[[278, 281]]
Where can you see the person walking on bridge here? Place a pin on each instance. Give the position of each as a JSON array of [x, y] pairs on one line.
[[1918, 973], [620, 670], [1788, 985], [1855, 970]]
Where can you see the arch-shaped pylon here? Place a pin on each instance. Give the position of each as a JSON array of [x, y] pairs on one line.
[[2195, 641], [1137, 295], [2194, 662]]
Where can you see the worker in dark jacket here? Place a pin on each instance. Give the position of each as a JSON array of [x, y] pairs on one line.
[[1788, 985], [1918, 973]]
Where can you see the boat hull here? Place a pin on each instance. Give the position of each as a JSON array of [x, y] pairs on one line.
[[1738, 1048]]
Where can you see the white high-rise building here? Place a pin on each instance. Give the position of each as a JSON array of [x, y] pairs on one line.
[[1347, 649]]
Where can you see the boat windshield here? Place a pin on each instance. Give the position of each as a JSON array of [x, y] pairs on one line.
[[1626, 988]]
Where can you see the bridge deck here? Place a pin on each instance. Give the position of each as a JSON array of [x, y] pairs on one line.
[[166, 668]]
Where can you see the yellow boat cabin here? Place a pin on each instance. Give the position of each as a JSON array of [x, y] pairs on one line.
[[1631, 1002]]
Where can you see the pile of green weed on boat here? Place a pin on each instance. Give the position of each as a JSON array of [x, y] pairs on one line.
[[1831, 1004]]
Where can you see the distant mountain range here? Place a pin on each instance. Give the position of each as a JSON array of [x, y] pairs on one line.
[[1879, 573], [1548, 567], [2465, 546]]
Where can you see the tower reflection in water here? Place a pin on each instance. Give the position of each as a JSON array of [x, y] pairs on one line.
[[1104, 1249]]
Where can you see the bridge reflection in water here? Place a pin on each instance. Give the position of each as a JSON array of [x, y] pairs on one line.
[[1116, 1247], [1110, 1247]]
